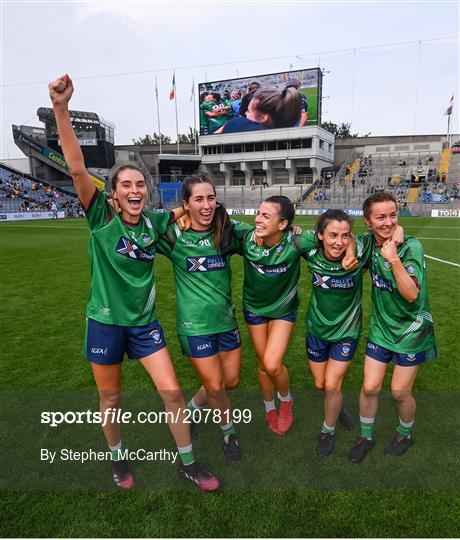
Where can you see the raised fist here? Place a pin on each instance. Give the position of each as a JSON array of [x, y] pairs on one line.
[[61, 90]]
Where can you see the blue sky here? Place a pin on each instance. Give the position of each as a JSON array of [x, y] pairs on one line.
[[42, 40]]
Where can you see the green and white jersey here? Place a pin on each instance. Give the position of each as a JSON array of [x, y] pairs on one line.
[[217, 121], [271, 275], [121, 264], [334, 311], [203, 282], [396, 324]]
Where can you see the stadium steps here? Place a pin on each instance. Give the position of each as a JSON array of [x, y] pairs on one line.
[[353, 169], [413, 194], [454, 169], [445, 161]]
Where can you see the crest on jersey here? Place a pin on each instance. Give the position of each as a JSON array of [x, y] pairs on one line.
[[133, 251], [410, 268], [387, 265], [279, 249], [156, 336]]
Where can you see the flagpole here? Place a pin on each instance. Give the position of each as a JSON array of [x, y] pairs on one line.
[[194, 117], [158, 113], [175, 107]]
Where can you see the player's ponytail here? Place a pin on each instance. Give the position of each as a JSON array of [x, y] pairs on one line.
[[282, 106]]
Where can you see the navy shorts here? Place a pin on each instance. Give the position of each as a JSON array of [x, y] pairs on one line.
[[205, 346], [252, 318], [377, 352], [108, 343], [320, 350]]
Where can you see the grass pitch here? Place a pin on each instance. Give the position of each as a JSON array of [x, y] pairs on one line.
[[280, 488]]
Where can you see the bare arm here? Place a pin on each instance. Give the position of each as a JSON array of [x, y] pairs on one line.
[[406, 285], [61, 91], [303, 119]]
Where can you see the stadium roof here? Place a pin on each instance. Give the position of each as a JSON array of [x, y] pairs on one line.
[[46, 113]]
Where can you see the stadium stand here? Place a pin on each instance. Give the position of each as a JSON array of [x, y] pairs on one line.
[[22, 193]]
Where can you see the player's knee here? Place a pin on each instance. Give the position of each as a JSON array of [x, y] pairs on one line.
[[320, 384], [215, 390], [109, 398], [371, 389], [172, 398], [273, 369], [232, 381], [332, 388], [400, 395]]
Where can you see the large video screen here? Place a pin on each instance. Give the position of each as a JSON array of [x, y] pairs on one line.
[[273, 101]]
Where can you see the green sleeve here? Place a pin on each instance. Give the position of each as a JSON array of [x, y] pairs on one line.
[[364, 246], [98, 211], [160, 220], [412, 257], [240, 229], [308, 241], [165, 243]]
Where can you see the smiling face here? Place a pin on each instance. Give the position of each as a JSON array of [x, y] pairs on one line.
[[382, 220], [335, 238], [201, 206], [131, 195], [269, 224]]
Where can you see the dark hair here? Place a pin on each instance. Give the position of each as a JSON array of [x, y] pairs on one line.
[[220, 222], [253, 87], [286, 211], [127, 167], [380, 196], [282, 106], [245, 102], [331, 215]]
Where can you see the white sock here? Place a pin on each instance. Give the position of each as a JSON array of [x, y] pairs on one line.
[[116, 450], [193, 404], [269, 405], [285, 398]]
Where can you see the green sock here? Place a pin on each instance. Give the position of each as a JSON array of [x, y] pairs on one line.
[[328, 429], [227, 430], [405, 428], [192, 406], [367, 427], [186, 454], [116, 451]]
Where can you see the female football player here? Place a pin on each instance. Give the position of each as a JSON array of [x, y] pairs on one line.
[[121, 307], [333, 318], [401, 328], [206, 323], [271, 255]]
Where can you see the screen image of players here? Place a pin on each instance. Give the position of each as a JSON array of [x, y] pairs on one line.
[[121, 315]]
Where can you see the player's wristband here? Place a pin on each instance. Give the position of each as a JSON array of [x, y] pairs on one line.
[[394, 260]]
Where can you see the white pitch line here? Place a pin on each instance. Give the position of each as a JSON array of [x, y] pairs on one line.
[[441, 260], [57, 228], [426, 238]]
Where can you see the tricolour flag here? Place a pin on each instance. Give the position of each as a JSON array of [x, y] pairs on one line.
[[450, 107], [172, 92]]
